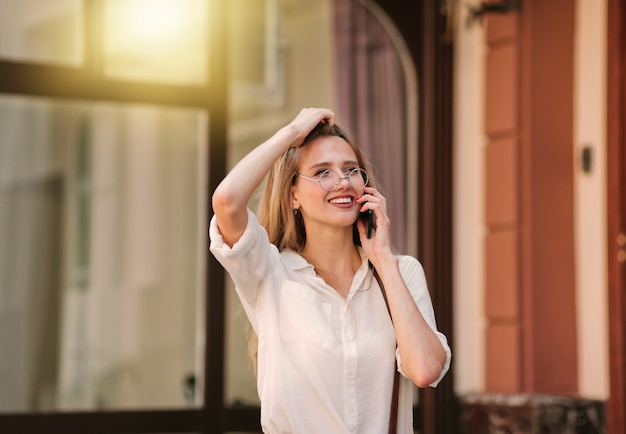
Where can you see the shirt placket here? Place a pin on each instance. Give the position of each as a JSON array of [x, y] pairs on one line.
[[348, 331]]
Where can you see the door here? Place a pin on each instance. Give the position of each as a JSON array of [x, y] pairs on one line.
[[616, 203]]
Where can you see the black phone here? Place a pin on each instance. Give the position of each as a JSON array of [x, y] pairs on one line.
[[368, 218]]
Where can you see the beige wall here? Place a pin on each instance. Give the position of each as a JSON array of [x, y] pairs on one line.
[[469, 346], [590, 203]]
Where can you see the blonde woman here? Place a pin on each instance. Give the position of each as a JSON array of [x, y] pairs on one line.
[[308, 278]]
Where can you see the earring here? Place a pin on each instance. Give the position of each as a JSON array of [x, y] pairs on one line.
[[296, 211]]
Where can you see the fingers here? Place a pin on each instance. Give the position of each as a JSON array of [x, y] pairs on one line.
[[372, 199], [308, 118], [379, 244], [318, 114]]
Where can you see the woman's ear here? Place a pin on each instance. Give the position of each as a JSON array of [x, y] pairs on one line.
[[295, 203]]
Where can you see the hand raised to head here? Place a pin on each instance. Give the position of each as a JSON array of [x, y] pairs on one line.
[[309, 118]]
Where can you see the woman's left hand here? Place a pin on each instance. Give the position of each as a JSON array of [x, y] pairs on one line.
[[379, 243]]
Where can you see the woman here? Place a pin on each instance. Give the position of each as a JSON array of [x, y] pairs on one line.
[[327, 350]]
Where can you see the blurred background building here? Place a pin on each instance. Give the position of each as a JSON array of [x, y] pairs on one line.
[[498, 132]]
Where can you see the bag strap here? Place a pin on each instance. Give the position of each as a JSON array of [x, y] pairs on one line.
[[393, 414]]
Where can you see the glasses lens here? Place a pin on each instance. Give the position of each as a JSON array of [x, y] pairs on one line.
[[329, 180], [358, 179]]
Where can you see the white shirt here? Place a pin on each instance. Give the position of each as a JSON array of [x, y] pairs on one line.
[[325, 363]]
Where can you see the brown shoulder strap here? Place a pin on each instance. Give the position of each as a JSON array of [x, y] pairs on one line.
[[393, 414]]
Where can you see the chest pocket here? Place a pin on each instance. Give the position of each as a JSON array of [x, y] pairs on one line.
[[304, 317]]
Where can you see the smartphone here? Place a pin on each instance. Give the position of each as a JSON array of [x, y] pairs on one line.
[[368, 218]]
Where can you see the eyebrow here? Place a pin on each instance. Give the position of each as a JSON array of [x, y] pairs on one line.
[[326, 163]]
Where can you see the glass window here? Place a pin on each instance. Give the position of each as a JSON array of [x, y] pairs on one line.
[[102, 253], [156, 40], [249, 33], [42, 31], [257, 51]]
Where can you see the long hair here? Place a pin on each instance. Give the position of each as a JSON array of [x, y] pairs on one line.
[[285, 228]]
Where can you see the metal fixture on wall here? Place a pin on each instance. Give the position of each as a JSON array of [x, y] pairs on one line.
[[449, 9], [478, 11]]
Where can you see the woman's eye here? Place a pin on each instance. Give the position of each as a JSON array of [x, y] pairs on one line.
[[322, 172]]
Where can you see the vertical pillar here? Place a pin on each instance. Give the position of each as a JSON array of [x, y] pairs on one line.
[[502, 213], [529, 246]]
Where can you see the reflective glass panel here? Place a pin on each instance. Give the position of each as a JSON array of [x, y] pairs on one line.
[[102, 246], [156, 40], [42, 31]]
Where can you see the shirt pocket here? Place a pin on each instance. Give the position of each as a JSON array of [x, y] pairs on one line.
[[304, 317]]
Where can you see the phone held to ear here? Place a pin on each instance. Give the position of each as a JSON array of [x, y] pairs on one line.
[[368, 219]]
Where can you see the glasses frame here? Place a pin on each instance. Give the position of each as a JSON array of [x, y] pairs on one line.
[[363, 173]]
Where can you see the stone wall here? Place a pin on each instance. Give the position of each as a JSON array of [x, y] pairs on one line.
[[536, 414]]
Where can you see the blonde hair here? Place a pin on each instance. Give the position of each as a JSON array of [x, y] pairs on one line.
[[285, 227]]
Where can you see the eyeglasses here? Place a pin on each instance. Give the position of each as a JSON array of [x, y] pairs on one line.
[[329, 180]]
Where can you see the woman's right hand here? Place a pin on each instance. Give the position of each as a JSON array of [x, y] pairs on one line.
[[307, 119]]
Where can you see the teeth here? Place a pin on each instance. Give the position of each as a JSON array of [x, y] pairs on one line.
[[341, 200]]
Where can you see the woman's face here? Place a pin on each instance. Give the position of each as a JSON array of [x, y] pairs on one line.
[[318, 206]]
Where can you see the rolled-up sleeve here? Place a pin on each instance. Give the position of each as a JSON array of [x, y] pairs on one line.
[[247, 260]]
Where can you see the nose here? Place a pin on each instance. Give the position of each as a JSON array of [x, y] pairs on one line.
[[342, 179]]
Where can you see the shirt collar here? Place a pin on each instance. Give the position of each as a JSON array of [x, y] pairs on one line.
[[362, 278], [296, 262]]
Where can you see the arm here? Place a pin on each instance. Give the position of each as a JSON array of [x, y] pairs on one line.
[[231, 196], [422, 353]]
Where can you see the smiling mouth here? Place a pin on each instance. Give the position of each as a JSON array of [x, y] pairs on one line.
[[341, 200]]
